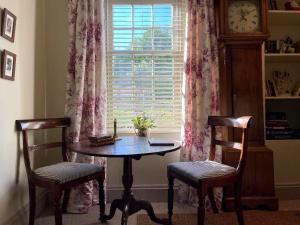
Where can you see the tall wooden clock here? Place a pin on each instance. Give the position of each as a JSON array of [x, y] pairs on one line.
[[242, 28]]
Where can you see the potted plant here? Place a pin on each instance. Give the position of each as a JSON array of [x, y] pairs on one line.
[[142, 124]]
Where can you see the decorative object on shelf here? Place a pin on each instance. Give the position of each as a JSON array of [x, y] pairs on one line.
[[8, 65], [142, 124], [283, 83], [286, 45], [297, 47], [292, 5], [272, 5], [102, 140], [8, 25], [272, 46], [296, 89]]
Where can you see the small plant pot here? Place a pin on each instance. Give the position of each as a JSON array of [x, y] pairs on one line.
[[141, 133]]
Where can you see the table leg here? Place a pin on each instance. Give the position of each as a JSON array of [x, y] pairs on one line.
[[128, 205]]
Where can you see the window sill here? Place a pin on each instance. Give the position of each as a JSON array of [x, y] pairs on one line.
[[170, 135]]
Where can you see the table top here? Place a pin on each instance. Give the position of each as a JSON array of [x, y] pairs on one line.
[[128, 146]]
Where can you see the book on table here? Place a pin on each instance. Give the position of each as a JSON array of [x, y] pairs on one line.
[[160, 142]]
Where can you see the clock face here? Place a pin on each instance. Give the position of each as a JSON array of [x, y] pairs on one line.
[[244, 16]]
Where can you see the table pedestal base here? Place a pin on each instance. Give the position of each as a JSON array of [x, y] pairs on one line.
[[128, 205]]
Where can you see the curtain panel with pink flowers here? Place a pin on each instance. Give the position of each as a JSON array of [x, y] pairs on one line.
[[86, 88], [200, 89]]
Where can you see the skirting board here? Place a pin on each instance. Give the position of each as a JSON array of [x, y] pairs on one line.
[[159, 193], [152, 193], [21, 216], [288, 191]]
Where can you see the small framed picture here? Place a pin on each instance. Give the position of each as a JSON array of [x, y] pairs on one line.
[[8, 65], [8, 25]]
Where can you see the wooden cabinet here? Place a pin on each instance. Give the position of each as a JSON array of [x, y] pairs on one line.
[[246, 89], [241, 87], [258, 180], [241, 92]]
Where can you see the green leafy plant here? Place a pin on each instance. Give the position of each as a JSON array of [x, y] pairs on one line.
[[141, 122]]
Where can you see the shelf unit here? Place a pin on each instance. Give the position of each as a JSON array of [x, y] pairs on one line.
[[283, 23], [284, 17], [282, 97], [282, 57]]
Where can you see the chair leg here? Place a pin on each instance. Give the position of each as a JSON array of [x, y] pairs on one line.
[[212, 200], [31, 204], [66, 200], [101, 199], [57, 208], [201, 208], [238, 204], [170, 199]]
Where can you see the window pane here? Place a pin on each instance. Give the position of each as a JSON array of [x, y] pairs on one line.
[[162, 15], [122, 16], [121, 65], [162, 39], [142, 40], [122, 40], [142, 16]]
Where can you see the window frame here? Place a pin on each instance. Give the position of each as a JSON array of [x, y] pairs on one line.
[[177, 35]]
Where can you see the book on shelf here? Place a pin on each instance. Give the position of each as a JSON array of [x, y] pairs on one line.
[[278, 128], [277, 123], [285, 133], [272, 5], [271, 89], [276, 116]]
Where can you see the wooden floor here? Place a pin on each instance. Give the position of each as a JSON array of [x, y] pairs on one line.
[[92, 217]]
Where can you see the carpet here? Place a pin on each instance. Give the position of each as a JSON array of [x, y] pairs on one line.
[[251, 218]]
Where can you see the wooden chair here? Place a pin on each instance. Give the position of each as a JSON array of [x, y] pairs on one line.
[[57, 178], [205, 175]]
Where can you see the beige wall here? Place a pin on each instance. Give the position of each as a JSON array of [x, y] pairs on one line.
[[22, 98]]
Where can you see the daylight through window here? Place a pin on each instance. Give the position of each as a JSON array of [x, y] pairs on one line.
[[145, 62]]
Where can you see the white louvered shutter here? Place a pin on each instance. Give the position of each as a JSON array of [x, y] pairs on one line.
[[145, 41]]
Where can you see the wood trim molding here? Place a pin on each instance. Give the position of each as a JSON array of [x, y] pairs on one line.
[[288, 191], [21, 216]]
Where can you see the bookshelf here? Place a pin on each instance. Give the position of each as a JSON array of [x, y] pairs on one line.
[[282, 57], [282, 24], [282, 97], [284, 17]]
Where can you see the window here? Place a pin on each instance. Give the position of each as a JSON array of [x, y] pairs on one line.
[[145, 61]]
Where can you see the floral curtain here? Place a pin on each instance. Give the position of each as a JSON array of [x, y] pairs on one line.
[[86, 88], [200, 89]]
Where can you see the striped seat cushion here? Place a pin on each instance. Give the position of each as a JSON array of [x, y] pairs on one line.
[[200, 169], [67, 171]]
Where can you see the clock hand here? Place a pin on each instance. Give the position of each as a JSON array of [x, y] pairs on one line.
[[248, 12]]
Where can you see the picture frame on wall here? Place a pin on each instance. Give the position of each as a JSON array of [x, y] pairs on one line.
[[8, 65], [8, 26]]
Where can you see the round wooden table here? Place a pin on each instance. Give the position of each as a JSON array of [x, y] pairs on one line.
[[128, 148]]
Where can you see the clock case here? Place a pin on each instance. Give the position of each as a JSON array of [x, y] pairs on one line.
[[241, 93], [224, 32]]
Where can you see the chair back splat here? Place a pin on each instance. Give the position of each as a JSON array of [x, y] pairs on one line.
[[39, 124], [242, 123]]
